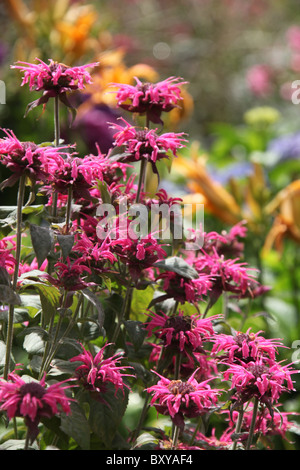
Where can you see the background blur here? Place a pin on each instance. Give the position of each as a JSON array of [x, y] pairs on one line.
[[240, 59]]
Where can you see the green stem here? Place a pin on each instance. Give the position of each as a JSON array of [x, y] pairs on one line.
[[9, 337], [26, 446], [175, 437], [56, 144], [252, 425], [125, 308], [57, 340], [69, 208], [142, 178], [238, 427], [196, 430]]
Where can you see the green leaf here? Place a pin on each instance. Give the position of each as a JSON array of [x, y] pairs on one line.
[[136, 332], [34, 341], [66, 243], [177, 265], [42, 241], [105, 418], [97, 304], [76, 426], [49, 296], [9, 296]]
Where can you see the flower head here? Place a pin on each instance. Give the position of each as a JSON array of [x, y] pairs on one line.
[[32, 400], [261, 378], [245, 346], [150, 99], [182, 399], [26, 158], [146, 144], [54, 79], [96, 372], [183, 289], [180, 331]]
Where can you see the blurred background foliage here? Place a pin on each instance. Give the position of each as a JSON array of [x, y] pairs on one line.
[[243, 159]]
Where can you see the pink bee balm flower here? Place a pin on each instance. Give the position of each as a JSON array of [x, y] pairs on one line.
[[32, 401], [264, 379], [146, 144], [245, 346], [150, 99], [70, 275], [54, 79], [229, 275], [95, 373], [180, 331], [183, 289], [25, 158], [182, 399]]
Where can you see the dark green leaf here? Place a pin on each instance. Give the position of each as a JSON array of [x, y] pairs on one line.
[[97, 304], [42, 241], [76, 426], [106, 417], [9, 296], [66, 243], [177, 265], [136, 332]]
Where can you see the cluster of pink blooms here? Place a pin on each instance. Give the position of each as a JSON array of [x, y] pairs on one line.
[[187, 344], [33, 400]]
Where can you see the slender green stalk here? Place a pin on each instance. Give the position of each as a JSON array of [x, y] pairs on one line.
[[56, 143], [238, 427], [57, 340], [252, 425], [121, 318], [26, 446], [142, 178], [175, 437], [9, 336], [69, 208], [196, 430]]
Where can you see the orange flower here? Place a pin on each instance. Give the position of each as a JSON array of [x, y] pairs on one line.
[[286, 208]]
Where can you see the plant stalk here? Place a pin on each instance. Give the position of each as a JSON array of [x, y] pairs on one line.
[[9, 337], [252, 425]]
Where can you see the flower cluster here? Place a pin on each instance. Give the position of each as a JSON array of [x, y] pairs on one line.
[[130, 298]]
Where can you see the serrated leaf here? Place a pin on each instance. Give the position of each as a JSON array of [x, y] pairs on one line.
[[76, 426], [177, 265], [66, 243], [8, 296], [34, 341], [136, 331], [106, 417], [42, 242], [97, 304]]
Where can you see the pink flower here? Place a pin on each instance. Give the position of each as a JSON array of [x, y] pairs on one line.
[[264, 379], [138, 254], [95, 373], [146, 144], [70, 275], [259, 80], [293, 36], [183, 289], [94, 254], [54, 79], [268, 424], [32, 400], [180, 331], [26, 158], [182, 399], [245, 346], [150, 99], [229, 275]]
